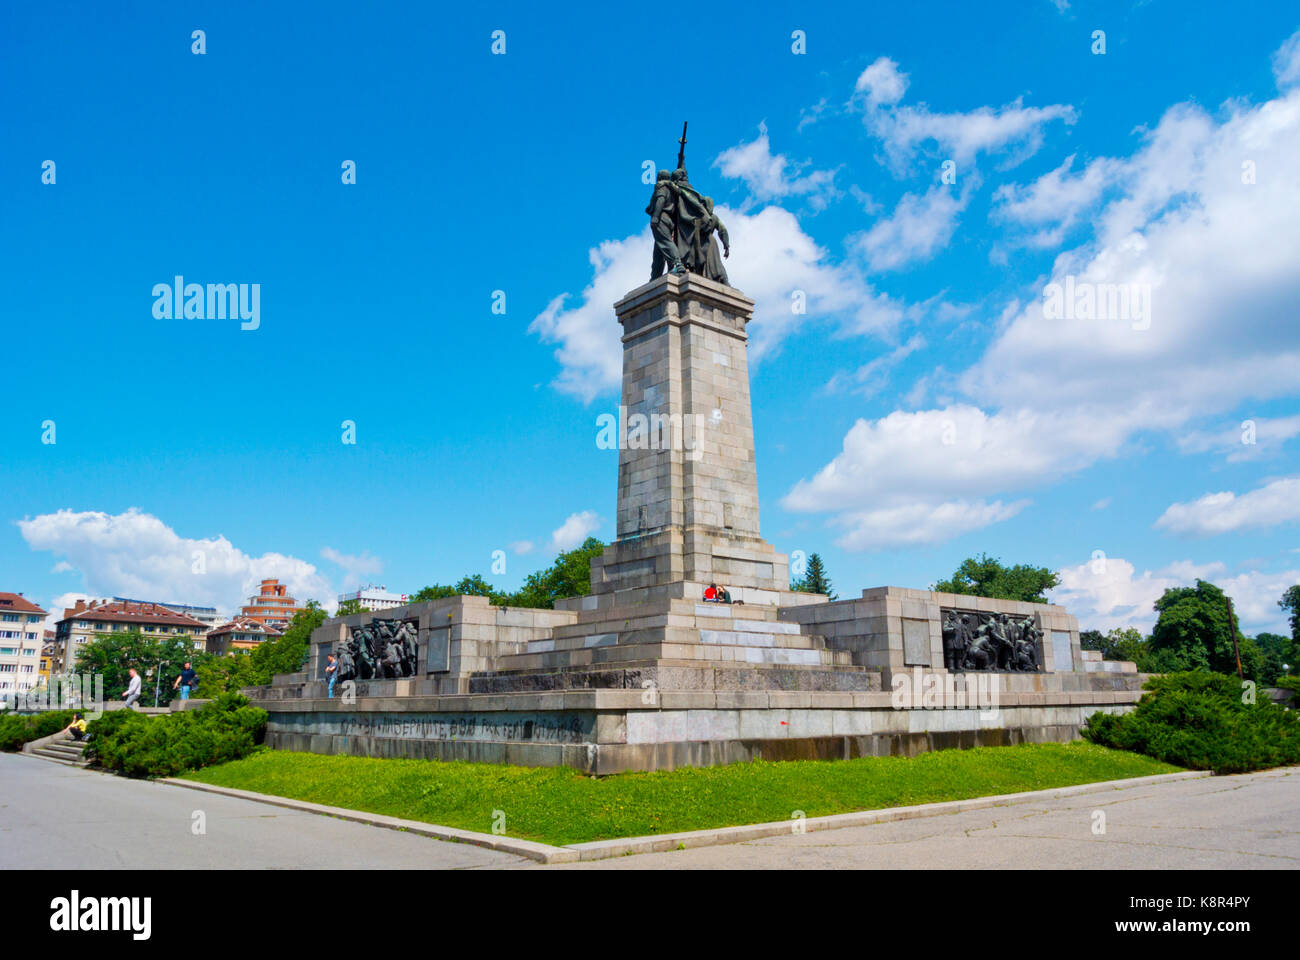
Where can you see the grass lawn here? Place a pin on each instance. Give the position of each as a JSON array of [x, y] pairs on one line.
[[561, 806]]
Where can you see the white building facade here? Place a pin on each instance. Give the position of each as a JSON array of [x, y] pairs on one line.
[[21, 638]]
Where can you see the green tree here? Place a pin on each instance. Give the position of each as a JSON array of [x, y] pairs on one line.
[[568, 576], [1118, 644], [986, 576], [437, 591], [1291, 603], [1279, 655], [814, 579], [351, 606], [472, 585], [218, 675], [288, 652], [113, 654], [1193, 627]]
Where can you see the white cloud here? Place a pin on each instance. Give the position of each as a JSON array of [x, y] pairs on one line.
[[134, 554], [1054, 202], [960, 137], [1186, 225], [1055, 396], [911, 524], [955, 452], [1286, 62], [574, 530], [522, 548], [1253, 439], [774, 258], [1271, 505], [919, 225], [872, 377], [355, 567], [881, 83], [772, 177], [1110, 594]]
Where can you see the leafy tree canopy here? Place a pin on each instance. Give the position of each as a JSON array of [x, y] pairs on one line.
[[1291, 603], [986, 576], [568, 576], [113, 654], [1192, 632]]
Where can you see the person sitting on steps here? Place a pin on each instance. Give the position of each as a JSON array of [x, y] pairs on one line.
[[77, 728]]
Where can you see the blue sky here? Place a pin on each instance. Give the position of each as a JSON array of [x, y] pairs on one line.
[[1103, 449]]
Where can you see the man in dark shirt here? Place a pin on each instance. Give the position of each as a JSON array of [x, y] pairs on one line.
[[187, 681]]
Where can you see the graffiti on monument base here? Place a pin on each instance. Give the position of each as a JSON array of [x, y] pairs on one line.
[[523, 727]]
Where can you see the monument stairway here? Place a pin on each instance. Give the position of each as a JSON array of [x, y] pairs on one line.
[[65, 751], [677, 630]]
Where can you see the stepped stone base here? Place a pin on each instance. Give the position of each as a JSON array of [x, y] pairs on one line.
[[613, 730], [652, 677]]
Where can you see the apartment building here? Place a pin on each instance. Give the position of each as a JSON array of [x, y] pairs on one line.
[[20, 644], [242, 633], [84, 621]]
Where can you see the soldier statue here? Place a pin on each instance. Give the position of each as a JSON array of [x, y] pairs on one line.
[[683, 224]]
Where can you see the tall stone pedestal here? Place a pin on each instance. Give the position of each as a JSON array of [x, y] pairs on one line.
[[687, 487]]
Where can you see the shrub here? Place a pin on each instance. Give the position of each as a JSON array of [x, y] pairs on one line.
[[142, 746], [1198, 719], [15, 730]]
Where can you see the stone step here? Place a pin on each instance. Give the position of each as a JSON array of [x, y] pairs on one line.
[[606, 677], [66, 749], [673, 608], [718, 652], [777, 635], [45, 753]]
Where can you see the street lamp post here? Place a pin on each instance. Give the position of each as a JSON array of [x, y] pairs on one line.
[[158, 682]]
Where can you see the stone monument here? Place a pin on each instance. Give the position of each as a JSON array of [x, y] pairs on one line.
[[649, 671]]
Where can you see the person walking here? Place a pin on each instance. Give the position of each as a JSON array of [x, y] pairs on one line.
[[331, 673], [132, 690], [186, 682]]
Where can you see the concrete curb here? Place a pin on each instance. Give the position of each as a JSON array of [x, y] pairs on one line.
[[659, 843], [541, 852], [601, 849]]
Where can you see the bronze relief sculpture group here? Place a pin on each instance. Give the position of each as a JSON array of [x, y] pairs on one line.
[[382, 649], [990, 641]]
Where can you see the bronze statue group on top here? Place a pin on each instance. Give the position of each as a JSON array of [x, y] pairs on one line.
[[683, 225]]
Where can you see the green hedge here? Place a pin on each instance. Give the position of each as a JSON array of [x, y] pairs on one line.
[[1198, 719], [15, 729], [142, 746]]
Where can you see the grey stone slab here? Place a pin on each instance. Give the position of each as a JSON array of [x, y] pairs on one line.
[[916, 642]]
